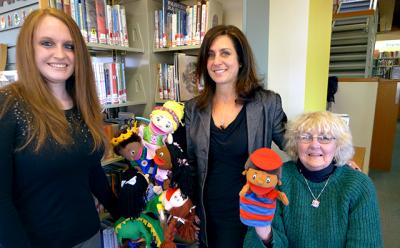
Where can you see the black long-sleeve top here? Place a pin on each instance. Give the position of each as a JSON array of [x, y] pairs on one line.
[[46, 198]]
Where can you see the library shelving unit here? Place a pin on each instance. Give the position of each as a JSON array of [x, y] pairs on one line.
[[387, 65], [165, 54]]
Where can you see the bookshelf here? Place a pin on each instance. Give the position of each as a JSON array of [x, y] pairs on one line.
[[188, 41], [387, 65]]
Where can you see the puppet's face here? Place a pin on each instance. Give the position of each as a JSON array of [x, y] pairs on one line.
[[163, 158], [161, 124], [261, 178], [175, 200], [132, 151]]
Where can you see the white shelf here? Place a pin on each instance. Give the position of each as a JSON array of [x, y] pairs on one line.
[[177, 48], [104, 47], [128, 103]]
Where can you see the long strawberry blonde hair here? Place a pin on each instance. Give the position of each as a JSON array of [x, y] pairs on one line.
[[48, 119]]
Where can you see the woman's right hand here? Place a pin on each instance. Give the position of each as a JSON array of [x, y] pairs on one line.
[[264, 232]]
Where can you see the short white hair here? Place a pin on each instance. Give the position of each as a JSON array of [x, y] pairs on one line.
[[326, 123]]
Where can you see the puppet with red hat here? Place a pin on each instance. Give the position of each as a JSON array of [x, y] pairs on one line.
[[258, 195]]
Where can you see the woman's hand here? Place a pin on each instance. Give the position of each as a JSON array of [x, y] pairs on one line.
[[353, 165], [264, 232]]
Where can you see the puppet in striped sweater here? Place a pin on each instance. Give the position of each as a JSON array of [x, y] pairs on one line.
[[258, 195]]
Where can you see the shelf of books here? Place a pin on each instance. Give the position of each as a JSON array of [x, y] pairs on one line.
[[185, 23], [387, 65], [114, 40], [179, 28]]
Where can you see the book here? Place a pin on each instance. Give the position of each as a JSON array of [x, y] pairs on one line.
[[91, 20], [101, 21], [188, 85], [214, 14], [67, 7], [109, 26], [123, 27], [3, 56]]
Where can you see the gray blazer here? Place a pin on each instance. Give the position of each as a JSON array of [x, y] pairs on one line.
[[265, 123]]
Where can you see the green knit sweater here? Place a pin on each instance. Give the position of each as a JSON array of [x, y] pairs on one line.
[[348, 214]]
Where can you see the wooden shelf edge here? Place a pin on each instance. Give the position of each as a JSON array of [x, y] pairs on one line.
[[371, 79], [110, 161]]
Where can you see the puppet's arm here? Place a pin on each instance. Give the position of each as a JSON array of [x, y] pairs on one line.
[[282, 196], [244, 190], [170, 139]]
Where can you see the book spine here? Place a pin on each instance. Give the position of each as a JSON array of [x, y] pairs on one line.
[[114, 84], [109, 25], [124, 28], [156, 29], [203, 21], [116, 27], [91, 20], [67, 7], [101, 21], [83, 22]]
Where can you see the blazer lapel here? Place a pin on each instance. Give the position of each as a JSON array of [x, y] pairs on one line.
[[205, 117], [254, 118]]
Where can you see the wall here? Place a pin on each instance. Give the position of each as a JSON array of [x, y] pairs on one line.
[[287, 52], [255, 16], [318, 53], [358, 100], [233, 12], [299, 40]]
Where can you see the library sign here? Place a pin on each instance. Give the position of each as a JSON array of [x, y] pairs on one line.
[[387, 45], [13, 12]]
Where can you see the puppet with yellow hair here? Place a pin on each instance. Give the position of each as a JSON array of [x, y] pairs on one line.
[[164, 120]]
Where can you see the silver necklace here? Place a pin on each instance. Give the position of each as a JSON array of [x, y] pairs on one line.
[[315, 203]]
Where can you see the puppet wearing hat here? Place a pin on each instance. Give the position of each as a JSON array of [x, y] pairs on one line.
[[258, 195], [130, 146], [164, 120]]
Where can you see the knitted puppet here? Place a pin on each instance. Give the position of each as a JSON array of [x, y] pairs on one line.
[[173, 169], [181, 220], [257, 197], [130, 146], [134, 224], [164, 120]]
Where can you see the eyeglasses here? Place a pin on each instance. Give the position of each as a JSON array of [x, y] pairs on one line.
[[322, 139]]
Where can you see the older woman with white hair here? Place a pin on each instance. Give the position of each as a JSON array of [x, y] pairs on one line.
[[331, 204]]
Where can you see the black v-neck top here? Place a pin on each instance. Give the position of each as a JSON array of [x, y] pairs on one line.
[[227, 156]]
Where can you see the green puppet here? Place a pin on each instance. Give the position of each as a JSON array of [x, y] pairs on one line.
[[135, 224]]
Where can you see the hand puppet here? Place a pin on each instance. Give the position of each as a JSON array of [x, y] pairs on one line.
[[173, 169], [130, 146], [135, 225], [181, 218], [164, 120], [258, 195]]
